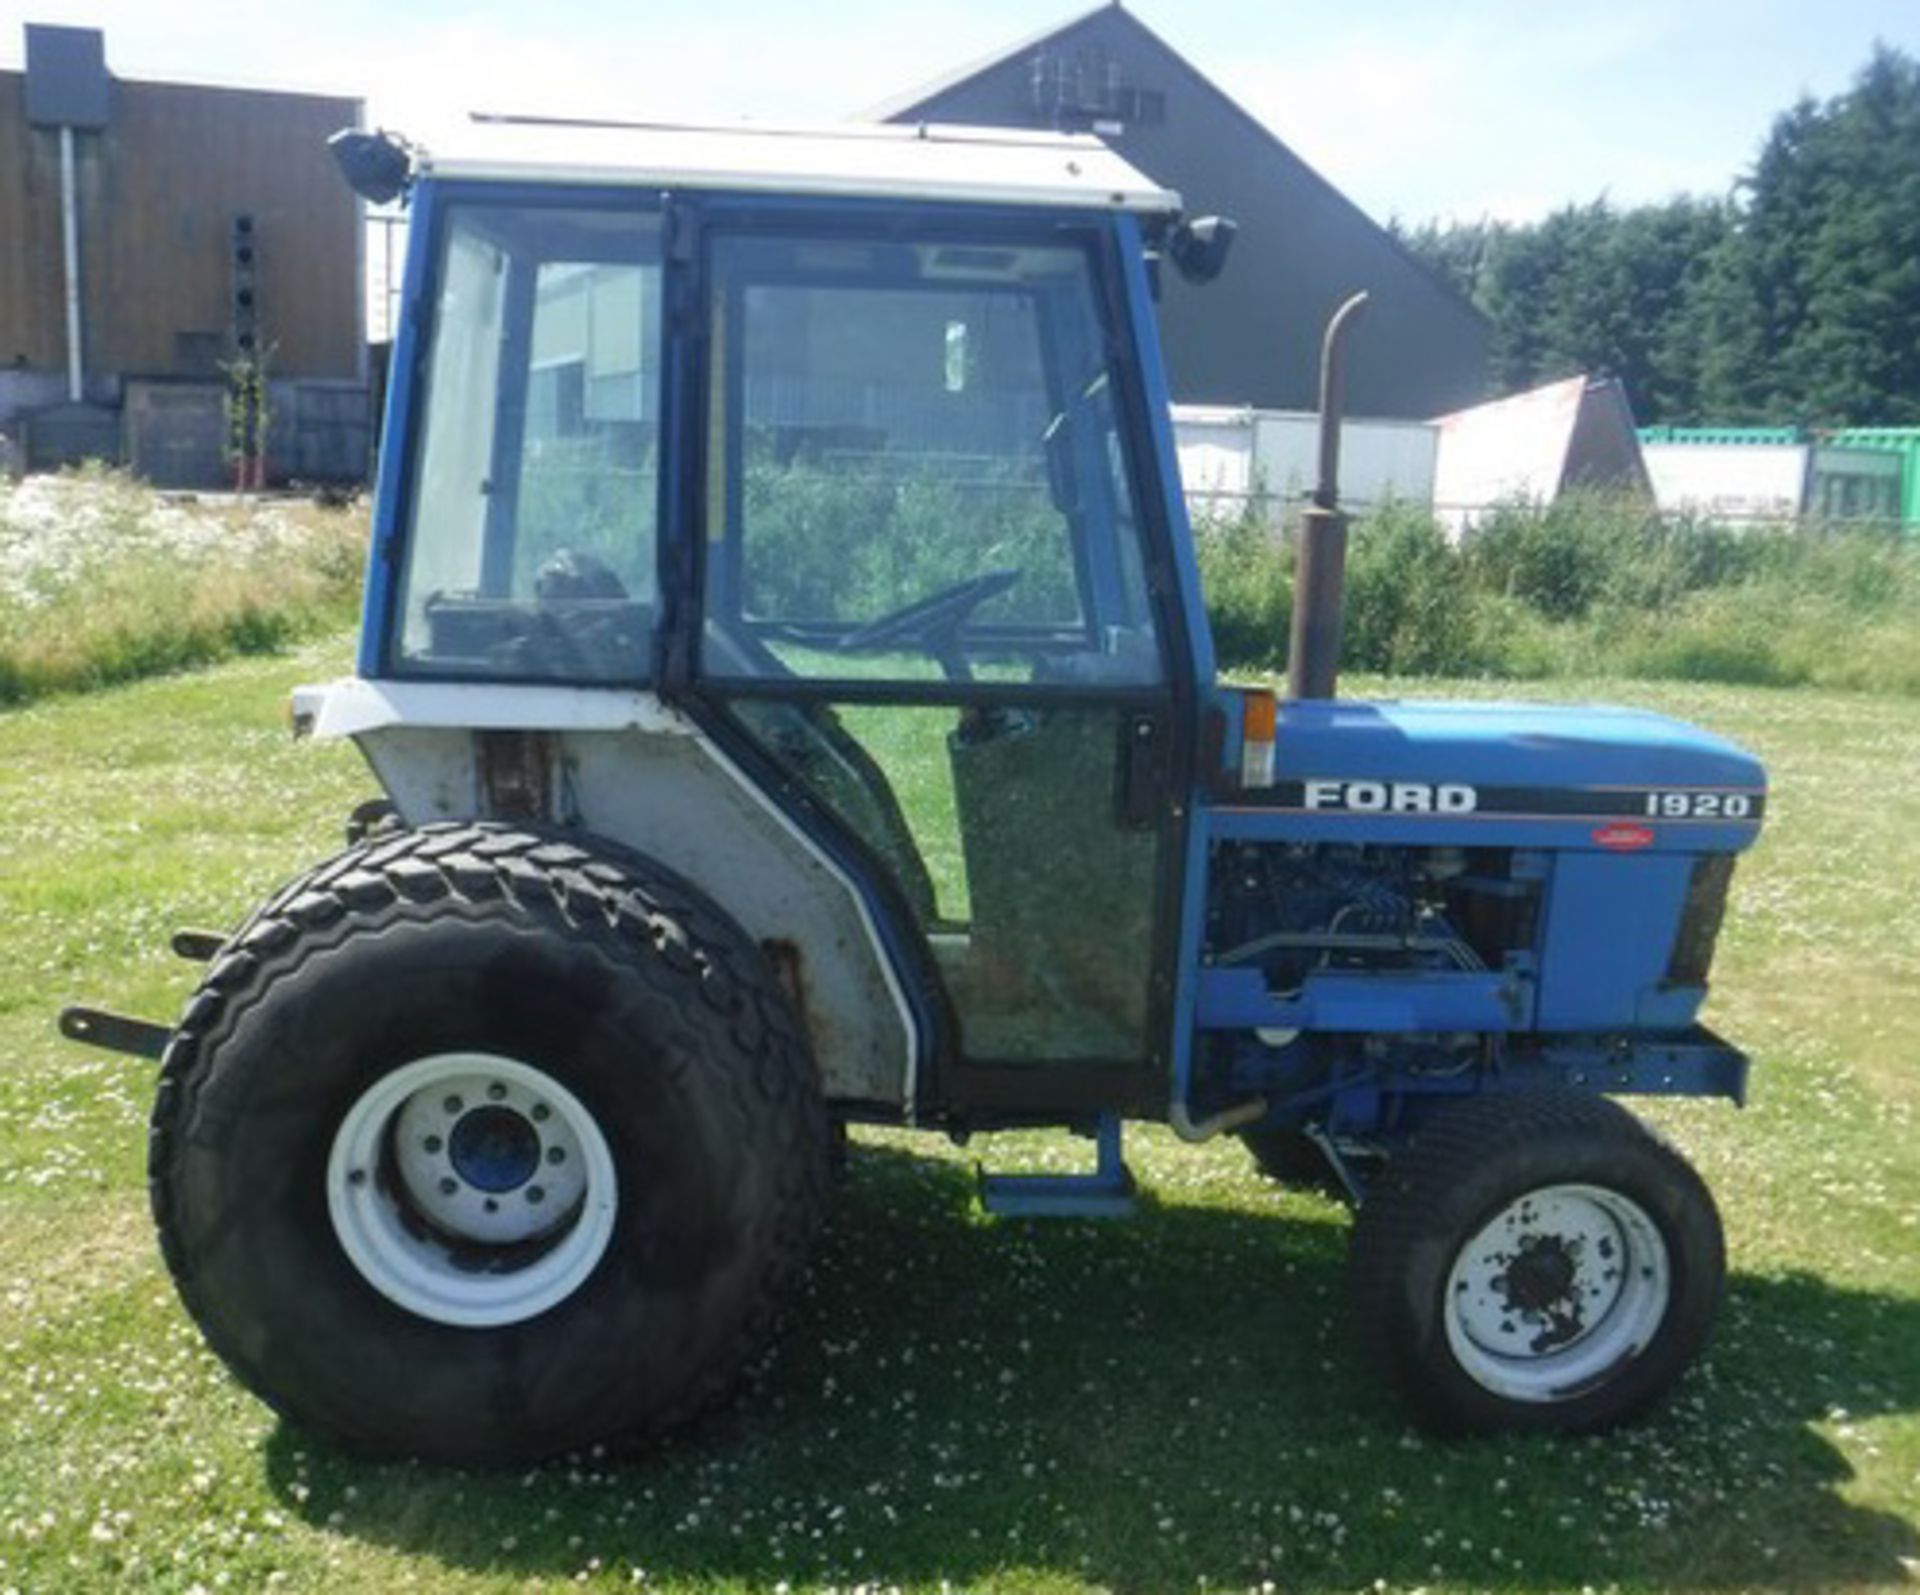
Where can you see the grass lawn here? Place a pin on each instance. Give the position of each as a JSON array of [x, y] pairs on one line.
[[1164, 1405]]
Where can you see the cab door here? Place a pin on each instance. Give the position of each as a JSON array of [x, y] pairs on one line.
[[926, 617]]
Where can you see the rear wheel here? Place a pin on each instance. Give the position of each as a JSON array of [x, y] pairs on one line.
[[1536, 1262], [480, 1145]]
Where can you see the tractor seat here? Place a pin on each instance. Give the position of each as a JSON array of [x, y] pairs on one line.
[[580, 625]]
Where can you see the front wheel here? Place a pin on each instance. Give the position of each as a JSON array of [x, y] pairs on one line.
[[1536, 1262], [481, 1145]]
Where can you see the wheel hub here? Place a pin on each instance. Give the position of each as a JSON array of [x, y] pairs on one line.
[[486, 1158], [1541, 1276], [494, 1149]]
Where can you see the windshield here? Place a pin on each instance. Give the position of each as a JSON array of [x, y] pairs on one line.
[[534, 495]]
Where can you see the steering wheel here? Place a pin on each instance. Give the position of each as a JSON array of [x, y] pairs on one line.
[[933, 622]]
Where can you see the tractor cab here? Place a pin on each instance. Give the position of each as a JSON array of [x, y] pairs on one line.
[[872, 489]]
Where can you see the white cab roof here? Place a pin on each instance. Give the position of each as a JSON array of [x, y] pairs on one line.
[[981, 164]]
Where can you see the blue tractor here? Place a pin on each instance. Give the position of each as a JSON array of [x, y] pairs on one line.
[[785, 664]]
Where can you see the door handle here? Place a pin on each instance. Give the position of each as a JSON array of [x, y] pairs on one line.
[[1144, 762]]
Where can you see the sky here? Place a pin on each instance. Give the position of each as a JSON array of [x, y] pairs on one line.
[[1416, 109]]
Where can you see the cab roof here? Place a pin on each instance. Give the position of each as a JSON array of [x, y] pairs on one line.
[[983, 165]]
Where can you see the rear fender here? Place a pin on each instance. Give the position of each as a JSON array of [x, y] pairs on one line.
[[625, 766]]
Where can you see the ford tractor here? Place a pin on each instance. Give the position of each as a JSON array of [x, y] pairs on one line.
[[786, 670]]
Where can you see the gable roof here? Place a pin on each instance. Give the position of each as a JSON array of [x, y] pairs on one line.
[[899, 107], [903, 108]]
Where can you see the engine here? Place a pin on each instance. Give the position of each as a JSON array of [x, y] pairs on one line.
[[1289, 909]]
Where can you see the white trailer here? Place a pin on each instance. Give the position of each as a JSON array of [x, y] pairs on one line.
[[1234, 456]]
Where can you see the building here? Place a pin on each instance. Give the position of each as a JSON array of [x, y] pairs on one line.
[[1903, 442], [1528, 448], [153, 238], [1236, 461], [1253, 336], [1773, 475]]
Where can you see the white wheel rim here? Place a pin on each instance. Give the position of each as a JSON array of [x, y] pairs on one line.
[[471, 1189], [1557, 1291]]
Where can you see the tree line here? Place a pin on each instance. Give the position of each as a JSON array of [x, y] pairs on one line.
[[1794, 299]]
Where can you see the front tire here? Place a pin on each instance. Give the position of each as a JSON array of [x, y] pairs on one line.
[[480, 1145], [1537, 1262]]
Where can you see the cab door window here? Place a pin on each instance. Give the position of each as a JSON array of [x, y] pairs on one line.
[[917, 468]]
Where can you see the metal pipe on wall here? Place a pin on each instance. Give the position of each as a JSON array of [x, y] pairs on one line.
[[70, 246]]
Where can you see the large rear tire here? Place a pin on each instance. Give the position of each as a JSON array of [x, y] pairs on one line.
[[480, 1144], [1536, 1262]]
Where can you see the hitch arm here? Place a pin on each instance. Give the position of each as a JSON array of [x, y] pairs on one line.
[[115, 1032]]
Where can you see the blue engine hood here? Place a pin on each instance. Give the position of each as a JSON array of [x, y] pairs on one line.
[[1509, 744]]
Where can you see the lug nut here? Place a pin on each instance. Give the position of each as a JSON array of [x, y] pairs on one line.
[[449, 1185], [536, 1193], [541, 1113], [496, 1092], [356, 1177], [556, 1154], [491, 1205], [453, 1104], [433, 1143]]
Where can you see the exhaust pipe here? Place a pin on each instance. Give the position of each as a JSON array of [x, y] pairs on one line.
[[1320, 568]]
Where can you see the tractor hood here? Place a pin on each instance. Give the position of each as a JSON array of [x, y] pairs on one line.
[[1500, 774], [1507, 744]]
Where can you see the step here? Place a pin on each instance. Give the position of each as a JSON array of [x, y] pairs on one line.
[[1108, 1192]]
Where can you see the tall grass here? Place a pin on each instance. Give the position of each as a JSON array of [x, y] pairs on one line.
[[1588, 586], [119, 584]]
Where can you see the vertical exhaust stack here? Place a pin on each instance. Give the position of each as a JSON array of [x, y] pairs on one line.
[[1320, 567]]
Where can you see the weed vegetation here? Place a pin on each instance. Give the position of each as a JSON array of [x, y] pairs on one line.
[[1588, 586], [103, 580]]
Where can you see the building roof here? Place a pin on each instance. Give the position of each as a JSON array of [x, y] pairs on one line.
[[898, 107], [979, 164], [904, 107], [1535, 445]]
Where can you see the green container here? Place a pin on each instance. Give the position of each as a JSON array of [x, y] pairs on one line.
[[1722, 434], [1902, 440]]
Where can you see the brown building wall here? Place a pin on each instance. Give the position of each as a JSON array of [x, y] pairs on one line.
[[31, 335], [159, 190]]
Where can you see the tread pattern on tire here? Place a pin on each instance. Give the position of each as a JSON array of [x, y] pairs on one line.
[[612, 898]]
